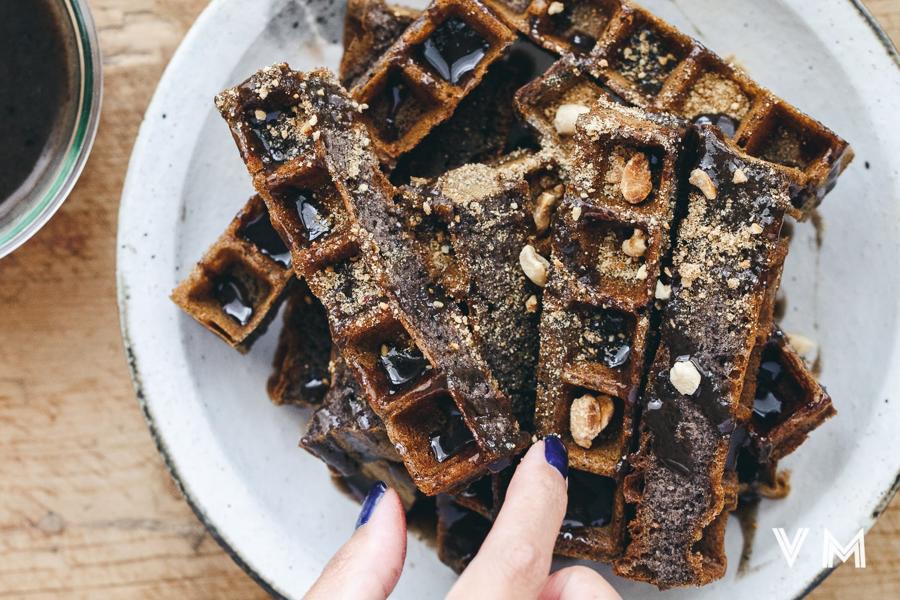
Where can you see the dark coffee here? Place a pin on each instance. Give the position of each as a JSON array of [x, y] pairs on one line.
[[35, 85]]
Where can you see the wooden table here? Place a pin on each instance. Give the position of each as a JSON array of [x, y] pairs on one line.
[[87, 508]]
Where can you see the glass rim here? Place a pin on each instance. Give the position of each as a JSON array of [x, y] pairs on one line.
[[81, 138]]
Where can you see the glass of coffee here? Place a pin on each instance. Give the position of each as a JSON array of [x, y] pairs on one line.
[[50, 89]]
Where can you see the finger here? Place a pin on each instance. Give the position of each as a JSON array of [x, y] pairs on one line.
[[514, 559], [578, 583], [368, 566]]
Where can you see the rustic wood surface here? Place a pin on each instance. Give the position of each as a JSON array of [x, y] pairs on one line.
[[87, 508]]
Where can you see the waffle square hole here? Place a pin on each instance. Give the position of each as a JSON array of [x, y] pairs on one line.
[[578, 23], [718, 99], [585, 411], [256, 228], [435, 423], [599, 256], [630, 175], [275, 130], [237, 291], [453, 50], [396, 363], [606, 336], [591, 500], [397, 107], [304, 212], [778, 393], [647, 57], [787, 142]]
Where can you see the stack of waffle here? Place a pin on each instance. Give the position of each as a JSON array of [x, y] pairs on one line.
[[513, 219]]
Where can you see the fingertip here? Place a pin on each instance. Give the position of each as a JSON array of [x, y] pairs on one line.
[[578, 583]]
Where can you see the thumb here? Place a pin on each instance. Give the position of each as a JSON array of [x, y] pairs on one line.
[[368, 566]]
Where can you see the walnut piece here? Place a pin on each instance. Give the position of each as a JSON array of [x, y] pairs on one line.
[[588, 417], [636, 245], [702, 181], [685, 377], [566, 115], [636, 183], [542, 211], [534, 265]]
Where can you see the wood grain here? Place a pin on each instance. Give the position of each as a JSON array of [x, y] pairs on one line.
[[87, 508]]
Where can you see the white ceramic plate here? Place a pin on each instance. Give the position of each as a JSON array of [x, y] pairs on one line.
[[272, 506]]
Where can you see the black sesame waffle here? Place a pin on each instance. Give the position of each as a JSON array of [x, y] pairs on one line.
[[418, 82], [300, 372], [370, 28], [788, 403], [350, 438], [400, 334], [727, 257], [236, 287], [647, 62], [606, 265], [472, 224], [460, 532], [565, 83]]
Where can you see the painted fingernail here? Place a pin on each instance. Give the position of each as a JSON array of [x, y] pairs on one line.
[[556, 455], [372, 498]]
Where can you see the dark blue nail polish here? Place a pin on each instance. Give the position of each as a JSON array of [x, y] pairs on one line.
[[372, 498], [556, 454]]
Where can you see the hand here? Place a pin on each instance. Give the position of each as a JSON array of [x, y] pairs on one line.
[[513, 562]]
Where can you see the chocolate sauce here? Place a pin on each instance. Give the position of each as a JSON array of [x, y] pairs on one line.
[[454, 49], [230, 293], [36, 83], [590, 500], [726, 123], [259, 232], [452, 435], [607, 338], [583, 42], [314, 221], [403, 365], [396, 94], [274, 145]]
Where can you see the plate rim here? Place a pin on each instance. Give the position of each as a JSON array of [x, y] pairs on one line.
[[882, 38]]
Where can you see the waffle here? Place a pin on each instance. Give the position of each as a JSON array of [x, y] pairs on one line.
[[404, 340], [680, 485], [788, 403], [345, 434], [237, 286], [460, 532], [485, 126], [647, 62], [370, 28], [419, 81], [596, 322], [300, 372], [472, 224]]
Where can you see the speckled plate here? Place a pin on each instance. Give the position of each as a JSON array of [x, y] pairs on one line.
[[273, 507]]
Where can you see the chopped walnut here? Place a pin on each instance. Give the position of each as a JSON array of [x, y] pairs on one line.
[[685, 377], [702, 181], [689, 273], [555, 8], [739, 177], [542, 211], [576, 212], [588, 417], [756, 228], [531, 305], [566, 116], [636, 245], [636, 183], [663, 291], [534, 265]]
